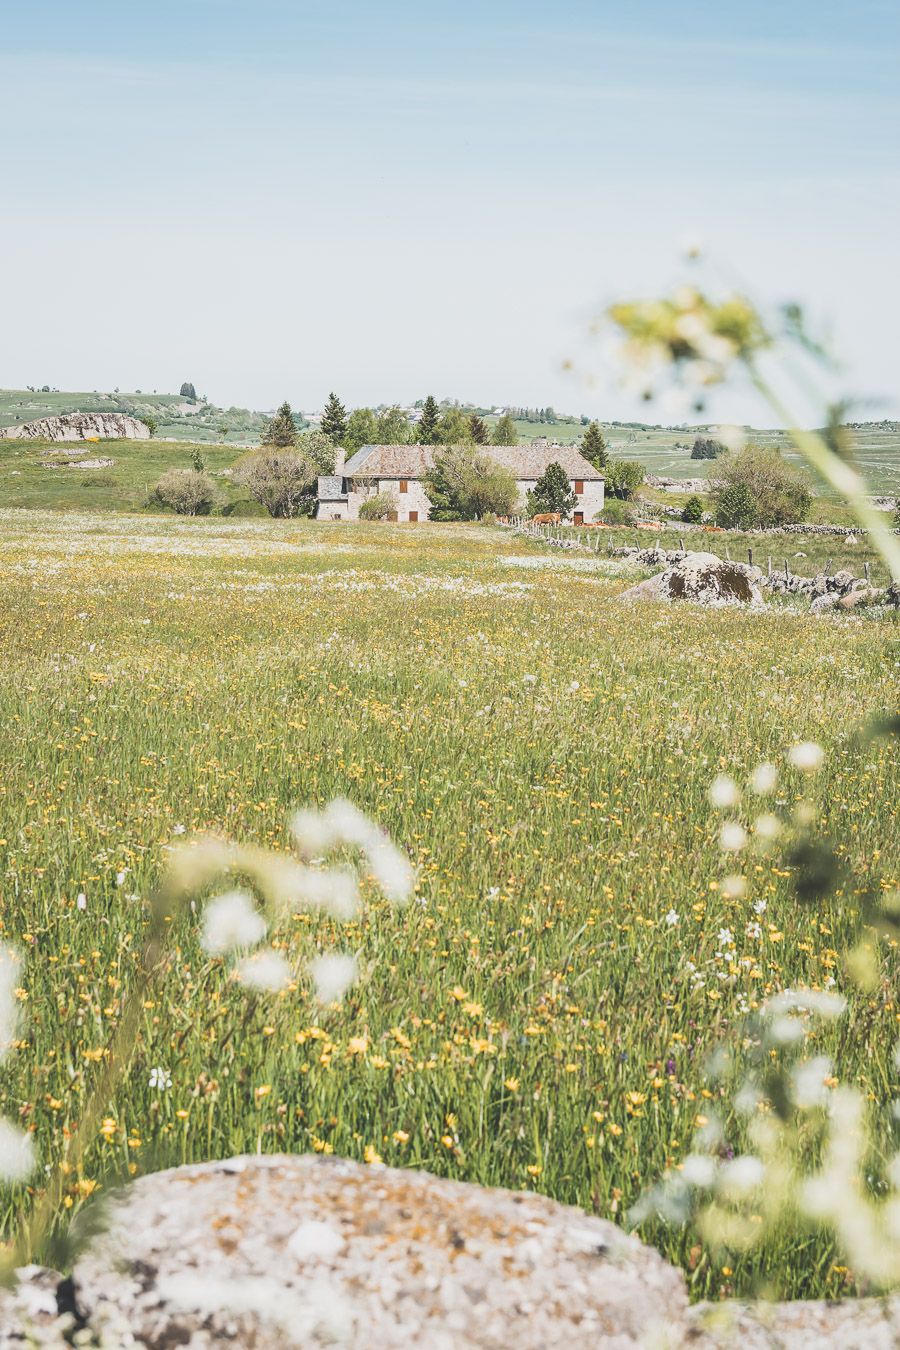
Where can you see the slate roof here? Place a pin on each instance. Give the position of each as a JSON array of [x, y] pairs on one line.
[[330, 488], [523, 461]]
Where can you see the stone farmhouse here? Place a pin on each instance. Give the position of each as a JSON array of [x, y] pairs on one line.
[[399, 471]]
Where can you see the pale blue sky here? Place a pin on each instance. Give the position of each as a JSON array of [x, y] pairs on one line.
[[274, 199]]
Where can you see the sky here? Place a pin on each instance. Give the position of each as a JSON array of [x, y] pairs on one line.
[[276, 198]]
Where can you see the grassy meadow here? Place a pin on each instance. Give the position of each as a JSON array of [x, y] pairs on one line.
[[544, 754]]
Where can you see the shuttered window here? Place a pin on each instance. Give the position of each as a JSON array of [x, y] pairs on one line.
[[579, 488]]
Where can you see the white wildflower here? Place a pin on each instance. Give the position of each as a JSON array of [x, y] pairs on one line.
[[726, 937], [699, 1170], [81, 900], [529, 679], [672, 918], [333, 975], [739, 1176], [809, 1082], [160, 1078], [17, 1160], [806, 756], [231, 921], [753, 930], [178, 829], [732, 836], [265, 971], [763, 779], [724, 792], [760, 906]]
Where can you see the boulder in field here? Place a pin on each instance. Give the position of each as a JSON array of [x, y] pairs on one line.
[[704, 579]]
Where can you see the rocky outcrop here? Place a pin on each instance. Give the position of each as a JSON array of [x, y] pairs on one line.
[[704, 579], [266, 1252], [100, 426]]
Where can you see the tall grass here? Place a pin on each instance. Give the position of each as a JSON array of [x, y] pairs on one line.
[[532, 1020]]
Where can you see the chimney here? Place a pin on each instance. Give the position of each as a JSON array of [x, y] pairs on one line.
[[340, 459]]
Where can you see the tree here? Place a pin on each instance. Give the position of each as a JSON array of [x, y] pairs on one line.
[[393, 427], [378, 507], [779, 493], [693, 511], [478, 431], [735, 507], [705, 447], [552, 492], [197, 463], [188, 391], [362, 429], [465, 485], [186, 491], [623, 478], [281, 430], [316, 447], [616, 512], [334, 420], [454, 428], [222, 429], [280, 478], [427, 428], [505, 431], [594, 447], [150, 423]]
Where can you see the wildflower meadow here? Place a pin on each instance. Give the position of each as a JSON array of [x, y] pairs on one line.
[[590, 821]]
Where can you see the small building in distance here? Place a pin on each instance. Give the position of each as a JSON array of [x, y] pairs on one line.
[[399, 471]]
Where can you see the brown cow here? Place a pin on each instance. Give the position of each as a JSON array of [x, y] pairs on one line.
[[548, 518]]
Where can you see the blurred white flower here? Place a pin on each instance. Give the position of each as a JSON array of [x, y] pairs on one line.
[[809, 1082], [672, 918], [313, 832], [333, 975], [734, 886], [17, 1160], [231, 921], [763, 779], [732, 437], [805, 1000], [724, 792], [392, 870], [786, 1030], [266, 971], [740, 1176], [81, 900], [10, 969], [767, 826], [806, 756], [699, 1169], [732, 836]]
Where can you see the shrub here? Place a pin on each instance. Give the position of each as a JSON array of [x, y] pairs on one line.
[[280, 478], [778, 492], [186, 491], [735, 507], [693, 511], [623, 478], [616, 512], [465, 485], [378, 507], [705, 447]]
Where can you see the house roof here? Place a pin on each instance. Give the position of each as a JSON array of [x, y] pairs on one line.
[[414, 461], [330, 488]]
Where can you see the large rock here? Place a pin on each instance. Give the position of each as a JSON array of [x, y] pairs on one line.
[[705, 579], [283, 1251], [79, 427]]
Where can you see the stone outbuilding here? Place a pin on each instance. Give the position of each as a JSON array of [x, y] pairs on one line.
[[399, 472]]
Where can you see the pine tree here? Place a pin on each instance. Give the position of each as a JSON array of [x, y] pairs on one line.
[[281, 429], [427, 429], [334, 420], [197, 461], [594, 447], [505, 431], [479, 430], [552, 492]]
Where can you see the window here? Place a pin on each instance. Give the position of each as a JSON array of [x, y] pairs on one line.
[[579, 488], [414, 515], [404, 485]]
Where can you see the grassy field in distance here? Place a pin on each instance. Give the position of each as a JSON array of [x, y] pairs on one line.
[[535, 1019]]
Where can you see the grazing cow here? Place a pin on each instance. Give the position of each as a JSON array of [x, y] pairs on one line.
[[548, 518]]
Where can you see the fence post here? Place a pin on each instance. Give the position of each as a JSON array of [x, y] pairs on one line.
[[866, 570], [769, 565], [750, 556]]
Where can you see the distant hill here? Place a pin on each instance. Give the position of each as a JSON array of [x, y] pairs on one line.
[[179, 418]]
